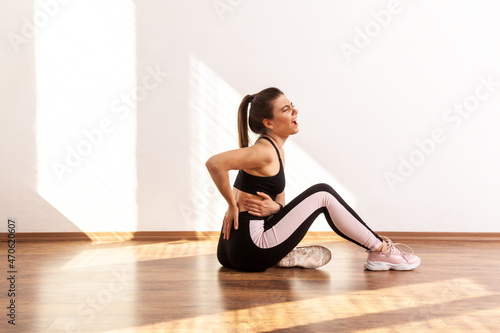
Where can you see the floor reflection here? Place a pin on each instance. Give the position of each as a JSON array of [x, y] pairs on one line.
[[179, 286]]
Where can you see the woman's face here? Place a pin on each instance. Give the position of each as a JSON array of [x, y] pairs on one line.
[[284, 122]]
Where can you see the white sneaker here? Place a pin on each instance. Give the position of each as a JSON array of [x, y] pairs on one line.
[[306, 257], [392, 258]]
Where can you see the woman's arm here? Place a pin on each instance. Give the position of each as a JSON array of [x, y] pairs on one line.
[[281, 198], [244, 158], [265, 206], [219, 165]]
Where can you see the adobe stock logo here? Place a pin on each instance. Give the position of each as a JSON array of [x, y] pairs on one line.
[[41, 18], [454, 118], [122, 108], [224, 6], [95, 305], [363, 37]]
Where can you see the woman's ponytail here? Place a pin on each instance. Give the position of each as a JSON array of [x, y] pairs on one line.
[[243, 121], [261, 108]]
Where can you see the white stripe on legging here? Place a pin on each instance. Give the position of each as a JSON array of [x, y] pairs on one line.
[[342, 218]]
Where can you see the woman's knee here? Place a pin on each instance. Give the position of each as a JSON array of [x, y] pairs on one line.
[[322, 187]]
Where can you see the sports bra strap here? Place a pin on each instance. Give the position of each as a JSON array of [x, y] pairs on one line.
[[272, 185], [268, 139]]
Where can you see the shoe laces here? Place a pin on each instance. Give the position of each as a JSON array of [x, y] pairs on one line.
[[306, 250], [394, 247], [302, 250]]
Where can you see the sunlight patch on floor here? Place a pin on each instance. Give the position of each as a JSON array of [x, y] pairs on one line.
[[336, 307], [472, 321], [138, 253]]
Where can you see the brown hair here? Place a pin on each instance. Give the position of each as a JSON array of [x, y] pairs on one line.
[[261, 107]]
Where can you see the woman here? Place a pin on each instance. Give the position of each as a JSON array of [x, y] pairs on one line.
[[258, 229]]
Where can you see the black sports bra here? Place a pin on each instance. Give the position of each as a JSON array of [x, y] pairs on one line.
[[272, 186]]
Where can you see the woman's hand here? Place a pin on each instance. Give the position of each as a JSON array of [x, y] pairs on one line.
[[264, 207], [230, 217]]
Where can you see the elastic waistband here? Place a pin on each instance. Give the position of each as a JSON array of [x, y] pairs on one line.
[[247, 215]]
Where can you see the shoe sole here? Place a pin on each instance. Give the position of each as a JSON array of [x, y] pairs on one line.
[[385, 266]]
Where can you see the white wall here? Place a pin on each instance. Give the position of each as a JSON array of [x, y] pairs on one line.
[[370, 103]]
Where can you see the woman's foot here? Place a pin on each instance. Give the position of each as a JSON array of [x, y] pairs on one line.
[[392, 257], [306, 257]]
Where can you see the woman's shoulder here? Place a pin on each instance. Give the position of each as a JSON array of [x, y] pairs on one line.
[[264, 147], [260, 148], [269, 148]]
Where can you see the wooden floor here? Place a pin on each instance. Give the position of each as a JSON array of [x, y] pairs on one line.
[[140, 286]]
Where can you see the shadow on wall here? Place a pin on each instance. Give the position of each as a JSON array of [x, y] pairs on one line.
[[87, 127], [21, 174]]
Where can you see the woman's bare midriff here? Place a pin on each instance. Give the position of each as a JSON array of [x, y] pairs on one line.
[[239, 196]]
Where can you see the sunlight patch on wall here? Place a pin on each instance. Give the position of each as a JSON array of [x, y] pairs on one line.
[[86, 115], [213, 106]]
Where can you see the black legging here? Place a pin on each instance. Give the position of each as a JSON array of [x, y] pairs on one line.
[[261, 242]]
